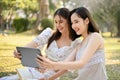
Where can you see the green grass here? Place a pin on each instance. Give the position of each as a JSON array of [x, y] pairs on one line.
[[8, 63], [113, 58]]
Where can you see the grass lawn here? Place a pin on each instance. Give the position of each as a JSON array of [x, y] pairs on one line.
[[8, 63]]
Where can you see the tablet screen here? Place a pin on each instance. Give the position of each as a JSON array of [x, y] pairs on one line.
[[29, 56]]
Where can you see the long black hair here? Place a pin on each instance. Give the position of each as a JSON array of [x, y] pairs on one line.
[[83, 13], [62, 12]]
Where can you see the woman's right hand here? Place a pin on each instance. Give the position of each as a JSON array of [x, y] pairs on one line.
[[17, 54]]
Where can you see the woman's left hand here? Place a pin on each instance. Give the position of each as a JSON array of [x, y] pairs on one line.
[[44, 62]]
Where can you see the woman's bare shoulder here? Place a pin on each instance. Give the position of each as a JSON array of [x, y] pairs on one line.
[[96, 35]]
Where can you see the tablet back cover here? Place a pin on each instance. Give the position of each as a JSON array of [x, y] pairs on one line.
[[29, 56]]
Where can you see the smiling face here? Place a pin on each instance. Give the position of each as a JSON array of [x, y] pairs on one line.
[[79, 25], [61, 24]]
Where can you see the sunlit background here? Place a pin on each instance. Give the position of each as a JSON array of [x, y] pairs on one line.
[[22, 20]]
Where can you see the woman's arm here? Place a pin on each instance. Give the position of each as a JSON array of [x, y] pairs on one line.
[[71, 57], [39, 41], [95, 42], [32, 44]]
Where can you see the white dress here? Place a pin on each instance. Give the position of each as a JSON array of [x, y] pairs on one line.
[[53, 53], [95, 68]]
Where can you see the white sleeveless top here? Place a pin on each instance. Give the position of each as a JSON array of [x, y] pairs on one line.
[[95, 68], [53, 52]]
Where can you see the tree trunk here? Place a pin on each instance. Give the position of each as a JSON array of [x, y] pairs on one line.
[[44, 8], [43, 12], [118, 27]]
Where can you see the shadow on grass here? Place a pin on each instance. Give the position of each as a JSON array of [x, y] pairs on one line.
[[113, 71], [2, 74], [3, 71]]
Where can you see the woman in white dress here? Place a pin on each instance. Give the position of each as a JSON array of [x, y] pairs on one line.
[[89, 55], [59, 43]]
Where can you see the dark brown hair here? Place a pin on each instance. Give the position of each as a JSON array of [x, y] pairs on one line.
[[83, 13], [64, 13]]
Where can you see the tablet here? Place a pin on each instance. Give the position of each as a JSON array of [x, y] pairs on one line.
[[29, 56]]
